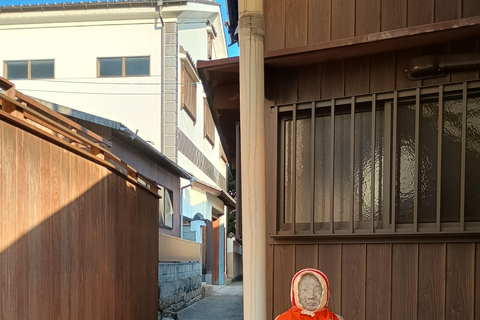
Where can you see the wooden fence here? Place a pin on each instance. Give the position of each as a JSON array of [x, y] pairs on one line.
[[78, 238], [176, 249]]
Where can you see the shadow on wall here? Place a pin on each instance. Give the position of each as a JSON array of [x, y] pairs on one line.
[[76, 241]]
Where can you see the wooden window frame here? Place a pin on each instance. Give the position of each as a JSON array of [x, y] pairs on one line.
[[223, 156], [208, 124], [123, 67], [189, 80], [388, 224], [162, 191], [29, 69]]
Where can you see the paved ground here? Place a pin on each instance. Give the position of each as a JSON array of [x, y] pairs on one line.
[[226, 303]]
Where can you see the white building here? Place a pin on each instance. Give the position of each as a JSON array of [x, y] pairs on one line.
[[132, 62]]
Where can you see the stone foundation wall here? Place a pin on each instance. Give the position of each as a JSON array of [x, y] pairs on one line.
[[179, 286]]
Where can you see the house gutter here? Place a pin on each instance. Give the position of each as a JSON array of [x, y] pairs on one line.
[[252, 130]]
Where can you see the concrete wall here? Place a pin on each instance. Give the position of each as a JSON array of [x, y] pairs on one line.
[[179, 286], [234, 260]]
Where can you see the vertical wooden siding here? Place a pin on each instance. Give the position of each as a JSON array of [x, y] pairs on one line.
[[386, 281], [76, 241], [362, 75], [291, 23]]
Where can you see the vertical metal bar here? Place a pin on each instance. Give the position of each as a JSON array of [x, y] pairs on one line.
[[372, 164], [464, 149], [294, 166], [417, 160], [312, 150], [438, 221], [332, 167], [281, 182], [393, 163], [387, 163], [352, 166], [275, 169]]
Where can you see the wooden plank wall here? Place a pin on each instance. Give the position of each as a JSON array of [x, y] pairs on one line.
[[76, 240], [369, 281], [293, 23], [361, 75], [372, 281]]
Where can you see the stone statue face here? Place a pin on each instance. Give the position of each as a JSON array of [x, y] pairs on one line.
[[310, 292]]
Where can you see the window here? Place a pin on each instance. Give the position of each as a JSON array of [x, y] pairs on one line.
[[165, 207], [29, 69], [209, 126], [404, 161], [223, 156], [189, 91], [123, 67]]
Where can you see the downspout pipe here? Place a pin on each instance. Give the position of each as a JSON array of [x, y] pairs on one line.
[[433, 66], [192, 179], [252, 130]]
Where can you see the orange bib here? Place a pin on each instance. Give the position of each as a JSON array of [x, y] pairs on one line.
[[295, 313]]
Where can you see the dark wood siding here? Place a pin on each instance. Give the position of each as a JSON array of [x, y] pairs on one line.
[[362, 75], [386, 280], [293, 23], [76, 240]]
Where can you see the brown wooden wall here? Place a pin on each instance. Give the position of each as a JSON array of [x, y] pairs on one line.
[[76, 240], [386, 281], [389, 280], [293, 23], [360, 75]]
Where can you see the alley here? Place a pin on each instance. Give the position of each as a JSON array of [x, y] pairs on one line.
[[226, 303]]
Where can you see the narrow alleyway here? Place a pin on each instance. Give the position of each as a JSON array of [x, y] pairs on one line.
[[226, 303]]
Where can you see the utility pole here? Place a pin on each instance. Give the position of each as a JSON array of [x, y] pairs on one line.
[[252, 130]]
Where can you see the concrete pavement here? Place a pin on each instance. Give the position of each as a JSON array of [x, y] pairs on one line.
[[226, 303]]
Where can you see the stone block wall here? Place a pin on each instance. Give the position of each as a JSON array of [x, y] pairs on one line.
[[179, 286]]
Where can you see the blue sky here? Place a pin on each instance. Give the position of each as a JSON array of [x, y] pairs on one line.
[[232, 51]]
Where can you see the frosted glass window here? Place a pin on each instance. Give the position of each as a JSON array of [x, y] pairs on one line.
[[16, 69], [137, 66], [42, 69], [109, 67]]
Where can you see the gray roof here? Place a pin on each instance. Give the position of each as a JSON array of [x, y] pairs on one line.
[[124, 134]]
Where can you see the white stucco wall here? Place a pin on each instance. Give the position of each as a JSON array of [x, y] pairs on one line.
[[193, 37], [75, 46]]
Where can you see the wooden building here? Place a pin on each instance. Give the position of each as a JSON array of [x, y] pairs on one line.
[[372, 175], [78, 236]]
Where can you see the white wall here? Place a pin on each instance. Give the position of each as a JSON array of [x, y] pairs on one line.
[[193, 37], [75, 46]]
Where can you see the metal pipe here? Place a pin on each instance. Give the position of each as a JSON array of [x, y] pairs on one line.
[[433, 66]]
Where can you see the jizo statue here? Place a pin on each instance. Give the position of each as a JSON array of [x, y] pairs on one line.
[[309, 294]]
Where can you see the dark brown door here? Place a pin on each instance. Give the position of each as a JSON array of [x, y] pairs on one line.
[[204, 250], [215, 251]]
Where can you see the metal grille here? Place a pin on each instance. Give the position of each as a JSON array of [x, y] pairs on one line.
[[405, 162]]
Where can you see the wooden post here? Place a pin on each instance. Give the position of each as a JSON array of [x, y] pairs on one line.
[[252, 130]]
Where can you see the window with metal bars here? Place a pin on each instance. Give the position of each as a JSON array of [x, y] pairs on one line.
[[406, 162]]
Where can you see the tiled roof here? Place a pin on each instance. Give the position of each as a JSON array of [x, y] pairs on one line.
[[86, 4]]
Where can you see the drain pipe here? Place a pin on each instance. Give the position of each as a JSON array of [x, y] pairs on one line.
[[192, 179], [433, 66], [252, 130]]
